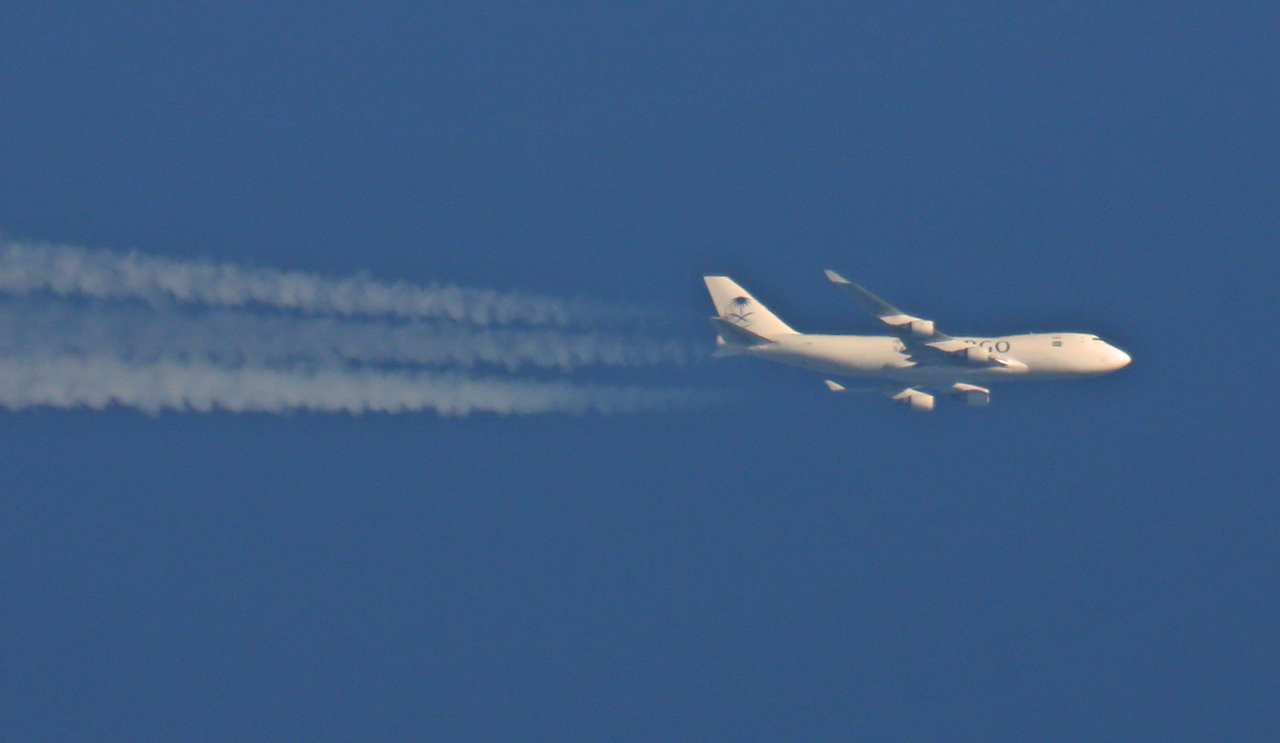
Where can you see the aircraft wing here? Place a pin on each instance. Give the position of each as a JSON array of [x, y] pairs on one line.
[[924, 344], [899, 321]]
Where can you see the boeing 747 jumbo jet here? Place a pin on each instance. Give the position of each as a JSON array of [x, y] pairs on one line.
[[914, 358]]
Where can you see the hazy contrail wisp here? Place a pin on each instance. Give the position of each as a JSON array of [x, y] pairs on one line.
[[98, 382], [82, 328], [66, 271]]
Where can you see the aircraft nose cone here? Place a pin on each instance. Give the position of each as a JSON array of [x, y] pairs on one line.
[[1121, 359]]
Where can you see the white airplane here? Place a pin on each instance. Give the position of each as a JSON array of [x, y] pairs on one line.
[[915, 358]]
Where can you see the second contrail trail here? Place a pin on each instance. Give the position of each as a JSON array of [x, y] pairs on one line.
[[70, 271], [155, 386], [47, 325], [86, 328]]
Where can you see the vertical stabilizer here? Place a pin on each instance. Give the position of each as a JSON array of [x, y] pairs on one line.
[[736, 305]]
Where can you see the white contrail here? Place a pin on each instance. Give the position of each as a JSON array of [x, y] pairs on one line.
[[139, 332], [81, 328], [100, 382], [69, 271]]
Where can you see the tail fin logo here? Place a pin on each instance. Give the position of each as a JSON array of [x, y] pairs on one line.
[[738, 313]]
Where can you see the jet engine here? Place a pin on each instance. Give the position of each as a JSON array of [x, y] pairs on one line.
[[971, 394], [918, 401], [977, 355], [922, 328]]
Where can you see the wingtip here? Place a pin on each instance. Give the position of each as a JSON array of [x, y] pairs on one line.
[[836, 278]]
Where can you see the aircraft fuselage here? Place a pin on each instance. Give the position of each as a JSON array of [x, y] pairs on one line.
[[1041, 356], [917, 355]]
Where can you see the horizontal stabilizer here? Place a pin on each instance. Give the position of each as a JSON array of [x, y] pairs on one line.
[[738, 336], [834, 387]]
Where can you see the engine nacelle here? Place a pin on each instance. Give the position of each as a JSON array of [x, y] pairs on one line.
[[977, 355], [922, 328], [921, 402], [971, 395]]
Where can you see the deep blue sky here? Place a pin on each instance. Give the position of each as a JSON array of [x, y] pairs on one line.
[[1085, 561]]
